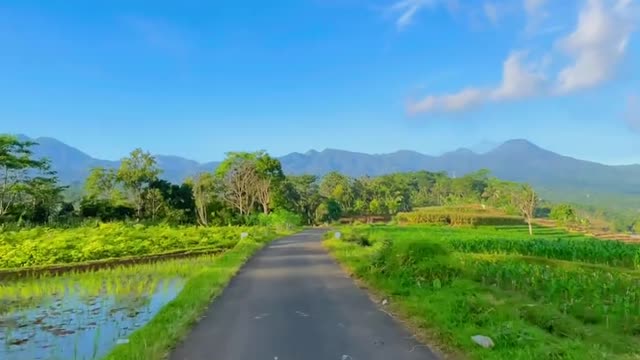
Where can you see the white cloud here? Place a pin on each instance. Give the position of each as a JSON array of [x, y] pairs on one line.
[[534, 6], [492, 12], [591, 52], [407, 9], [459, 101], [519, 80], [536, 16], [632, 114], [596, 46]]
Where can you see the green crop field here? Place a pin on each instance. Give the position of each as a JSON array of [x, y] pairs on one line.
[[47, 246], [130, 311], [551, 296]]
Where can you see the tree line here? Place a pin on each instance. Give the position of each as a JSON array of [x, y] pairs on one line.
[[246, 188]]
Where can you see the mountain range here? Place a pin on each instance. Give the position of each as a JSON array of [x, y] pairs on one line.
[[516, 160]]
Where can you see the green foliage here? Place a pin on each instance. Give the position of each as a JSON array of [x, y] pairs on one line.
[[178, 201], [457, 216], [563, 213], [136, 173], [280, 219], [105, 210], [28, 187], [304, 197], [45, 246], [103, 184], [328, 211]]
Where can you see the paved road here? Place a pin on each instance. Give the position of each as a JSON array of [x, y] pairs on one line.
[[292, 302]]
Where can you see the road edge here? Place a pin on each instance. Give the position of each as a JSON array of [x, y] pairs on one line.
[[397, 313], [174, 322]]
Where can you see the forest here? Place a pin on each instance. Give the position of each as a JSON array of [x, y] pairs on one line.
[[251, 189]]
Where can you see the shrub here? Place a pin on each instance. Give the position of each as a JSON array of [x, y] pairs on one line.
[[563, 213], [280, 219], [47, 246], [444, 217]]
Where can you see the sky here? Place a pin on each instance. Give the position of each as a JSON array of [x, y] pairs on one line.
[[200, 78]]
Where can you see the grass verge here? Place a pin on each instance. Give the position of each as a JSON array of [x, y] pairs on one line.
[[445, 306], [174, 321]]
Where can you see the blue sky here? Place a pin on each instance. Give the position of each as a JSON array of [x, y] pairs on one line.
[[199, 78]]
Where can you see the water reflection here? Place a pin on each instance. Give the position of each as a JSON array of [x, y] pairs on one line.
[[76, 325]]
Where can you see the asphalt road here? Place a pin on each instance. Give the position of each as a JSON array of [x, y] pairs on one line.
[[293, 302]]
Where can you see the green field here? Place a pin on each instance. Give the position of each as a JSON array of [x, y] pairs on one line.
[[49, 246], [78, 314], [551, 296]]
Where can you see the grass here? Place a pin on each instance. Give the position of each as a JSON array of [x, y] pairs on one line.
[[173, 322], [454, 283]]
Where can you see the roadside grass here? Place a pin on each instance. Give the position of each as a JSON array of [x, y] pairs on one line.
[[533, 307], [174, 321]]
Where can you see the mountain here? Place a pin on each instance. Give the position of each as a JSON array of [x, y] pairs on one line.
[[516, 160], [484, 146]]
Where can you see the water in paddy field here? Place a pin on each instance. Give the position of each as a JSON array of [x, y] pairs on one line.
[[72, 324]]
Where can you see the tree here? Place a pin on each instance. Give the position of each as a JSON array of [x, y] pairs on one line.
[[153, 202], [178, 200], [375, 207], [441, 190], [204, 188], [268, 175], [136, 173], [338, 187], [101, 184], [263, 193], [498, 193], [15, 164], [250, 178], [306, 196], [43, 197], [563, 213], [328, 211], [526, 200], [239, 186]]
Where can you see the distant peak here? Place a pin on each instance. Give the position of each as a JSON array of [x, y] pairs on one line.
[[519, 142], [460, 151], [518, 145], [403, 152], [464, 151]]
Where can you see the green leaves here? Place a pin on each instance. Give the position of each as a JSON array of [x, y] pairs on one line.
[[42, 246], [26, 183], [136, 173]]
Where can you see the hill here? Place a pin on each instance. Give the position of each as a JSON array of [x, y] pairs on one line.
[[517, 160]]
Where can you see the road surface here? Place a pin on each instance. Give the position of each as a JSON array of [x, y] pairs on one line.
[[293, 302]]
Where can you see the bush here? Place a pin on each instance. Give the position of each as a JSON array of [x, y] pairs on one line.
[[280, 219], [563, 213], [443, 217], [47, 246]]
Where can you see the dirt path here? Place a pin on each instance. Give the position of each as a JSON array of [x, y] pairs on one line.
[[293, 302]]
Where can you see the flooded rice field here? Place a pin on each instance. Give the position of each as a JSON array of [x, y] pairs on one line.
[[84, 315]]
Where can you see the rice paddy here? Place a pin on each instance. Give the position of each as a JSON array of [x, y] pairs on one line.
[[84, 315]]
